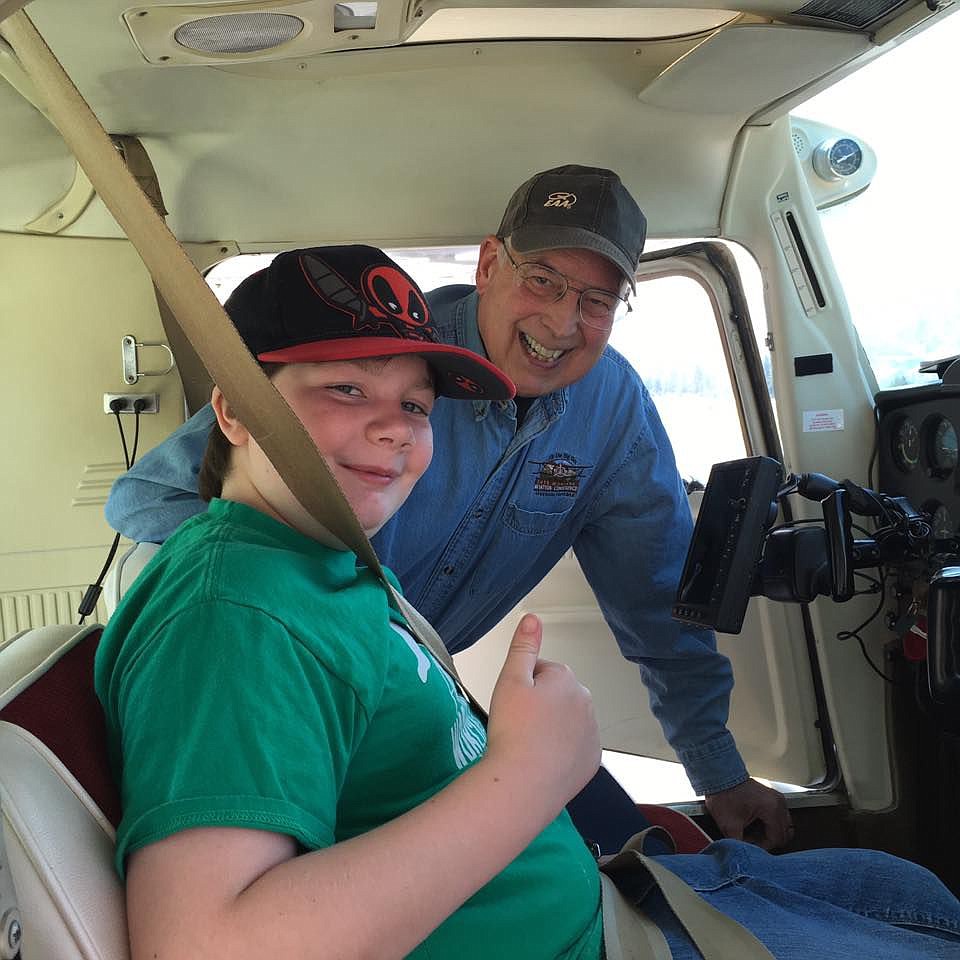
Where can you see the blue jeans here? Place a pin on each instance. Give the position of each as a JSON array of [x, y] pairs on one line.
[[832, 904]]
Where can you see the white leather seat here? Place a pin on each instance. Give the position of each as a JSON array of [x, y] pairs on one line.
[[58, 844], [124, 571]]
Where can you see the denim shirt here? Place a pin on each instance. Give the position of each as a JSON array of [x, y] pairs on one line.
[[590, 467]]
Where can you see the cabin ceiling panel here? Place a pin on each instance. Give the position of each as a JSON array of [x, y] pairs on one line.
[[280, 150], [35, 165], [257, 156], [427, 169], [781, 59]]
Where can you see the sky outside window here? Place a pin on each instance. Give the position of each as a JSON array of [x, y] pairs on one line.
[[895, 245]]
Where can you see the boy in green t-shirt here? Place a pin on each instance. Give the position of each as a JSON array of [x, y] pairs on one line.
[[299, 776]]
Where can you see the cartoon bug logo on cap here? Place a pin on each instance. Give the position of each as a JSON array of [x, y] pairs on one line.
[[391, 302]]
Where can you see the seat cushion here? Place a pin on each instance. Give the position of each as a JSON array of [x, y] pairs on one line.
[[57, 798], [59, 705], [60, 854]]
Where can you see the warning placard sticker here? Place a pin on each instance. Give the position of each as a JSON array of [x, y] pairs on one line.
[[816, 421]]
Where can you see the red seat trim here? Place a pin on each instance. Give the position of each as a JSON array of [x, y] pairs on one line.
[[61, 709], [688, 837]]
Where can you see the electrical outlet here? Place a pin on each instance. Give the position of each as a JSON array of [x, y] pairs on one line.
[[152, 401]]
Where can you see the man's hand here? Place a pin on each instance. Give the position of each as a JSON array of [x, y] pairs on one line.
[[752, 812]]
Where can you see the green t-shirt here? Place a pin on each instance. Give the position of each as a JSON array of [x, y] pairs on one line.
[[252, 677]]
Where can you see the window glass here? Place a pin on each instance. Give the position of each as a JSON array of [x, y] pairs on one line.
[[670, 337], [430, 266], [673, 341], [893, 244]]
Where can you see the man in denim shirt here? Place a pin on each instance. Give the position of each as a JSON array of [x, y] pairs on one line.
[[580, 460]]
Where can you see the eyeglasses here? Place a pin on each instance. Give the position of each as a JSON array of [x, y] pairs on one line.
[[599, 309]]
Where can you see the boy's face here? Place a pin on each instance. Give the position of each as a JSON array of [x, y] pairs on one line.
[[369, 420]]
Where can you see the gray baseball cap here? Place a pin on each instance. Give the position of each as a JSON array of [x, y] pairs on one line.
[[574, 206]]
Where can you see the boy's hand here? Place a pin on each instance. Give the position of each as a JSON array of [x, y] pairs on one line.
[[542, 727]]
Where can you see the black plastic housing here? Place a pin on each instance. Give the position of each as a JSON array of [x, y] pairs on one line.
[[738, 506], [943, 637]]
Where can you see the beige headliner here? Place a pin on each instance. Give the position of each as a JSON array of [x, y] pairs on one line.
[[418, 142]]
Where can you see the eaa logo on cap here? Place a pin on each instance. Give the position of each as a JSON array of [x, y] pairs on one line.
[[561, 199]]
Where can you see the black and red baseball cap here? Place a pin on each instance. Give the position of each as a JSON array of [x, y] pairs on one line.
[[350, 303]]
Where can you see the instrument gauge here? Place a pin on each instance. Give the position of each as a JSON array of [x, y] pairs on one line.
[[838, 159], [942, 447], [906, 445]]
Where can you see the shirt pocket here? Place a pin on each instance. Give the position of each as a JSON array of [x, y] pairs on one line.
[[534, 523]]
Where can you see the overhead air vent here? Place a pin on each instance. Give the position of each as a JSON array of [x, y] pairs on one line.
[[851, 13], [238, 32], [355, 15], [228, 32]]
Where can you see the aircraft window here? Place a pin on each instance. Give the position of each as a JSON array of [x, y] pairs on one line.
[[649, 780], [671, 338], [430, 266], [888, 243]]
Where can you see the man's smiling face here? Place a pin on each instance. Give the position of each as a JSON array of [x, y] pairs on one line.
[[540, 346]]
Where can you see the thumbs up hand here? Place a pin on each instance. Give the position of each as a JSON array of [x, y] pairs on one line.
[[542, 727]]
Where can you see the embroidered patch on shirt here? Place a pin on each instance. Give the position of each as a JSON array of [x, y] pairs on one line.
[[558, 476]]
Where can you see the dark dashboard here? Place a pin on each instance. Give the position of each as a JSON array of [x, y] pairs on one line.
[[918, 449]]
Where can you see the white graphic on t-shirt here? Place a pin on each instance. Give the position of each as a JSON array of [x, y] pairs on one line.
[[467, 736], [468, 739], [423, 661]]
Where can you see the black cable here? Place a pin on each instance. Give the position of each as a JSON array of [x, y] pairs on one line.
[[123, 436], [136, 433], [88, 603], [794, 523], [875, 584], [847, 634], [872, 665]]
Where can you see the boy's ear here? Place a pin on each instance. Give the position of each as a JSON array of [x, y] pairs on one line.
[[235, 432]]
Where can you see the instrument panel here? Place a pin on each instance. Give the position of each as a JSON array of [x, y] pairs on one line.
[[918, 450]]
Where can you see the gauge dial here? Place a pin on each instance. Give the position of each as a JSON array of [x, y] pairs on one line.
[[942, 446], [845, 157], [838, 159], [906, 445]]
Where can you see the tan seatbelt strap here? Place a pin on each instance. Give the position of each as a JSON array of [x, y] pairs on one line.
[[716, 936], [628, 934], [193, 306], [429, 637], [193, 374]]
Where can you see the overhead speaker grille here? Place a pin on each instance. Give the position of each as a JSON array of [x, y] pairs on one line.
[[238, 32], [799, 143]]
